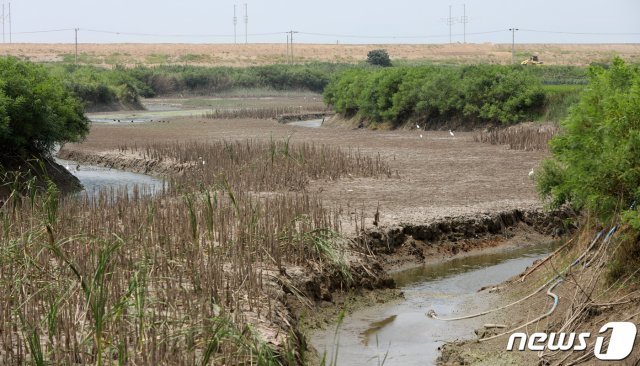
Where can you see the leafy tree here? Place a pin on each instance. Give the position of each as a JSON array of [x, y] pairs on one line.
[[36, 110], [596, 161], [379, 58]]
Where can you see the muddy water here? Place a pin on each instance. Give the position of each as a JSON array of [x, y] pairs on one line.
[[95, 178], [402, 333], [314, 123]]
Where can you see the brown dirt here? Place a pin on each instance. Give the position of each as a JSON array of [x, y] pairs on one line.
[[438, 175], [260, 54]]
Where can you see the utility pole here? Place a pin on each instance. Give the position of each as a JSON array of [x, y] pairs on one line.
[[246, 24], [291, 32], [450, 21], [10, 23], [287, 47], [6, 18], [235, 22], [513, 44], [76, 30]]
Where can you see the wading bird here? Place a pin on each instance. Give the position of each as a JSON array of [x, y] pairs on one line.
[[531, 173], [451, 133]]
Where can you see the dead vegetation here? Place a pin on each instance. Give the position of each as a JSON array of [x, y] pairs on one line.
[[194, 275], [262, 112], [109, 55], [527, 137]]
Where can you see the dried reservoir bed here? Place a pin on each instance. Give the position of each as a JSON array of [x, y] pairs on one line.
[[447, 195]]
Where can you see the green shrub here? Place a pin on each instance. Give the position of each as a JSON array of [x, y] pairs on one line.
[[596, 161], [378, 58], [475, 93], [36, 110]]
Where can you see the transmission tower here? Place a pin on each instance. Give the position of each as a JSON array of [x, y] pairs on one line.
[[235, 23], [246, 24], [449, 21], [464, 20], [6, 20]]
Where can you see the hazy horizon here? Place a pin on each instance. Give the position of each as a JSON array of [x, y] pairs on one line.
[[327, 22]]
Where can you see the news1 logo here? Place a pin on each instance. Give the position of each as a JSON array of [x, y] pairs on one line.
[[620, 345]]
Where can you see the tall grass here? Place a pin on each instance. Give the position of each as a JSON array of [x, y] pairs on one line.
[[185, 277], [528, 137], [558, 101]]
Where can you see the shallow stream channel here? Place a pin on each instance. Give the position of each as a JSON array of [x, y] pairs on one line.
[[95, 179], [399, 332]]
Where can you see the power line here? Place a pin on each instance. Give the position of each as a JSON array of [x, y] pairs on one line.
[[317, 34], [396, 37], [176, 35], [46, 31], [580, 33]]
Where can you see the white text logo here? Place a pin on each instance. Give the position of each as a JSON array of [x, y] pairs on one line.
[[619, 346]]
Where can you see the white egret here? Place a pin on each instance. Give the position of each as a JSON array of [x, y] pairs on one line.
[[531, 173], [451, 133], [420, 135]]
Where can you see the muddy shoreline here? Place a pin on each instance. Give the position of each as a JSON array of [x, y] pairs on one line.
[[388, 249]]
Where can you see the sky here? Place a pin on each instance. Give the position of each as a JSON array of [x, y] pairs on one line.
[[325, 21]]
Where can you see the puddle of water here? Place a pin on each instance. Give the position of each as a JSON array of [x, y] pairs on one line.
[[402, 333], [144, 116], [95, 178], [313, 123]]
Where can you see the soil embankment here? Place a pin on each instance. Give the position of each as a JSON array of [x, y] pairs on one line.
[[42, 169]]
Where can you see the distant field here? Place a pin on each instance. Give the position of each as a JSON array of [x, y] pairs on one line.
[[261, 54]]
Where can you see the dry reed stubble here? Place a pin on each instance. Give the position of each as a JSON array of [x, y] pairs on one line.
[[179, 278]]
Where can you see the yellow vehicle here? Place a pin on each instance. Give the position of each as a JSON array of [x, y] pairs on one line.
[[533, 60]]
